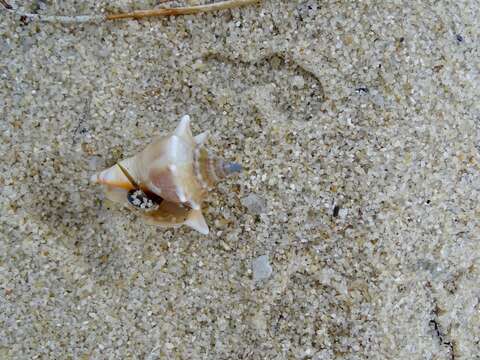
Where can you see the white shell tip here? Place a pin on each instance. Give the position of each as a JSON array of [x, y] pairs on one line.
[[201, 138], [197, 222], [184, 127]]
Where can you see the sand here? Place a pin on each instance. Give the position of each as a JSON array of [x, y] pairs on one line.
[[353, 232]]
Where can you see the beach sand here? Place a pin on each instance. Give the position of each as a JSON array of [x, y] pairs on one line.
[[353, 232]]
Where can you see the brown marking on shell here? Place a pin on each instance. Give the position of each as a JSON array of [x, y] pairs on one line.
[[204, 168], [163, 181], [173, 214], [167, 213], [177, 184], [113, 177]]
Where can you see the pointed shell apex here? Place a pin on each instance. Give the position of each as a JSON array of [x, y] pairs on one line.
[[197, 222], [201, 138]]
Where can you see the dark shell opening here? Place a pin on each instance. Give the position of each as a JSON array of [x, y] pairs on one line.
[[140, 200]]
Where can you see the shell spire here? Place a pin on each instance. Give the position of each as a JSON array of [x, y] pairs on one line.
[[167, 182], [232, 168], [210, 169]]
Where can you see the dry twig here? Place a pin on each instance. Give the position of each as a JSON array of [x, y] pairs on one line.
[[139, 14]]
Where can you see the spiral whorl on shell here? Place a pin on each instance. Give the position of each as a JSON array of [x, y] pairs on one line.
[[168, 181]]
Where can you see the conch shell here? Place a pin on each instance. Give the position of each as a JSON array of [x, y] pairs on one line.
[[167, 182]]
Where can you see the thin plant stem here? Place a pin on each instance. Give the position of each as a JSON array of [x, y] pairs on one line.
[[5, 4], [187, 10], [138, 14]]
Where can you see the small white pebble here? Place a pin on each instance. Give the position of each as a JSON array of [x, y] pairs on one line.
[[342, 213], [254, 203], [298, 82], [261, 268]]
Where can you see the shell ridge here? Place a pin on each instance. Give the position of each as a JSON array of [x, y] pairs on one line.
[[196, 165]]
